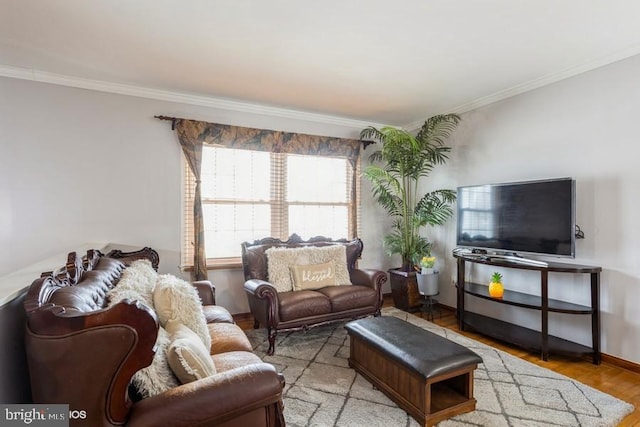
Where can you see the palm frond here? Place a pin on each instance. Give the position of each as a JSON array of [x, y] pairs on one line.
[[372, 134], [393, 244], [437, 129], [387, 190], [434, 208], [376, 156]]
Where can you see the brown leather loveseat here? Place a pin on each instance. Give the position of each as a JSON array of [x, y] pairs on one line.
[[84, 352], [280, 310]]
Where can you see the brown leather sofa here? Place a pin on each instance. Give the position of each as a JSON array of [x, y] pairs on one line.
[[83, 353], [301, 309]]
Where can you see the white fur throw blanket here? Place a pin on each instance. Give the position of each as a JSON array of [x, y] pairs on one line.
[[178, 300]]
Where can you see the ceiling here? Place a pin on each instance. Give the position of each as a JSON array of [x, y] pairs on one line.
[[380, 62]]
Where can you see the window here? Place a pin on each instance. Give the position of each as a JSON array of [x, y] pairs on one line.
[[248, 195]]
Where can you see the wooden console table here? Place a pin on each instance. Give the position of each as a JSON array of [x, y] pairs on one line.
[[525, 337]]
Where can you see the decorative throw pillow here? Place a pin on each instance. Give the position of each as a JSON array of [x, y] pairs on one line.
[[313, 276], [176, 299], [188, 358], [279, 261]]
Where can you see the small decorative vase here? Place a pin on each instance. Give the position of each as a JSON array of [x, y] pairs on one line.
[[496, 290]]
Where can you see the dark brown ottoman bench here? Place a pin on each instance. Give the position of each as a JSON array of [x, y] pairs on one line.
[[427, 375]]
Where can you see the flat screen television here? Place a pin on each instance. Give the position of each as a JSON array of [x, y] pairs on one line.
[[532, 217]]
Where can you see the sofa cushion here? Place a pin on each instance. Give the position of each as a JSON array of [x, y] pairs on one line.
[[279, 261], [176, 299], [344, 298], [227, 337], [217, 314], [301, 304], [233, 359], [188, 358], [313, 276]]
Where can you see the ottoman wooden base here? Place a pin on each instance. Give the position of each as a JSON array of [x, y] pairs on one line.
[[429, 396]]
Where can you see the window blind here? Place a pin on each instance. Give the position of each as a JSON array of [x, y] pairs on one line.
[[248, 195]]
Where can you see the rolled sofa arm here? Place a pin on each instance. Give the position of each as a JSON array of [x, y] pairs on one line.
[[373, 279], [215, 399], [369, 277], [263, 301], [206, 291], [87, 360], [260, 288]]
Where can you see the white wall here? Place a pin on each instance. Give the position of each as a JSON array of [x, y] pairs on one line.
[[82, 166], [585, 127]]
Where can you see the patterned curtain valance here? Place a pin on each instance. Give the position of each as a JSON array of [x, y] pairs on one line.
[[267, 140]]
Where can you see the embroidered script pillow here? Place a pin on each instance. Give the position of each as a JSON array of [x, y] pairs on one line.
[[313, 276]]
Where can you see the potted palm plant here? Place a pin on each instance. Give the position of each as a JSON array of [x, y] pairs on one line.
[[396, 169]]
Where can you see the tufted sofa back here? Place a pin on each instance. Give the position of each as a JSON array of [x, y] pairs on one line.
[[254, 259], [82, 284], [90, 293]]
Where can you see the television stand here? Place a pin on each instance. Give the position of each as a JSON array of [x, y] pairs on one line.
[[518, 259], [524, 337]]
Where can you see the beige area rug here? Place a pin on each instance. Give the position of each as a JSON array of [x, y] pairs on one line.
[[322, 390]]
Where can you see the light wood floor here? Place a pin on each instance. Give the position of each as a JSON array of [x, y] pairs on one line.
[[607, 377]]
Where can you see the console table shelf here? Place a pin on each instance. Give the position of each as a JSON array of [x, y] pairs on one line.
[[525, 337], [526, 300]]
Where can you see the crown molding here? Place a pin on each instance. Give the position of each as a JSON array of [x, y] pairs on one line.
[[535, 83], [245, 107], [183, 98]]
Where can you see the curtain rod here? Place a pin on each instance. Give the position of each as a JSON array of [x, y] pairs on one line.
[[173, 120]]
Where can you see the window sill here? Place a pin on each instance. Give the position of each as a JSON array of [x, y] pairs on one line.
[[218, 264]]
